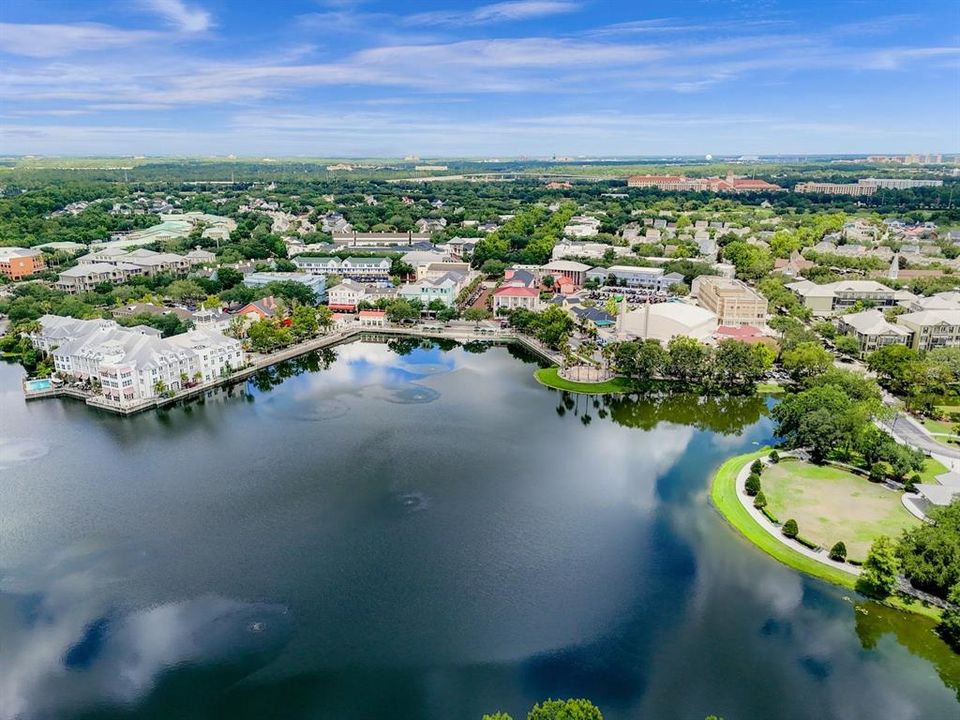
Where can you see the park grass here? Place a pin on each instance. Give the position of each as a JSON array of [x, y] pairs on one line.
[[931, 468], [938, 426], [551, 378], [831, 504], [723, 494]]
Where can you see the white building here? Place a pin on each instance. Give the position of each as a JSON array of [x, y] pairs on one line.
[[131, 364], [662, 321]]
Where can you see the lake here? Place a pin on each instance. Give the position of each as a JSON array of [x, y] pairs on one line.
[[393, 531]]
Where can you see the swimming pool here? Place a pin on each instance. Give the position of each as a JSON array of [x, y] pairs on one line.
[[37, 385]]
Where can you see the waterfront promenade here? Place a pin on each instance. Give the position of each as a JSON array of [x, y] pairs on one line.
[[261, 361]]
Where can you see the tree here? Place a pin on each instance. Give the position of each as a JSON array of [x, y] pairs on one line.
[[548, 281], [737, 363], [847, 345], [497, 716], [687, 359], [880, 569], [400, 311], [760, 501], [565, 710], [756, 467], [806, 360], [774, 457], [324, 317], [228, 277], [303, 322], [893, 364], [930, 553], [752, 485], [475, 314], [185, 291], [790, 529], [949, 627], [838, 552]]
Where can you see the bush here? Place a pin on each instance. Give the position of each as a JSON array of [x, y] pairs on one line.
[[752, 486], [949, 627], [790, 529], [760, 501], [757, 467], [879, 471], [838, 552], [769, 515], [807, 543], [774, 457]]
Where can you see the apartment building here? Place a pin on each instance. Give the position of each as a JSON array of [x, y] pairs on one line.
[[854, 189], [133, 364], [316, 283], [842, 295], [648, 278], [362, 269], [17, 262], [733, 301], [873, 331], [932, 328]]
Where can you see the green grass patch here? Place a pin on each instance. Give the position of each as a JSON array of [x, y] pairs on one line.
[[551, 378], [831, 504], [931, 468], [938, 426]]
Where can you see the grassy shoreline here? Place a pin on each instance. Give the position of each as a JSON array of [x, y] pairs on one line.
[[723, 495]]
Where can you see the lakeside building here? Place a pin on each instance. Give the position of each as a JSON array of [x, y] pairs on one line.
[[873, 331], [362, 269], [511, 296], [17, 262], [347, 295], [444, 287], [357, 239], [854, 189], [133, 364], [662, 321], [841, 295], [316, 283], [733, 301], [654, 279], [932, 328]]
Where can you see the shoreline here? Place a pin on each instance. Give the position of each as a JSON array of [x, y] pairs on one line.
[[725, 497]]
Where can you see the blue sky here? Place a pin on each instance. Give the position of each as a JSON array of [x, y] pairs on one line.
[[442, 78]]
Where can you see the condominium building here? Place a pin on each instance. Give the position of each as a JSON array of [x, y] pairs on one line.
[[842, 295], [733, 301], [444, 288], [932, 328], [362, 269], [17, 262], [873, 331], [116, 265], [378, 239], [648, 278], [133, 364], [900, 183], [316, 283]]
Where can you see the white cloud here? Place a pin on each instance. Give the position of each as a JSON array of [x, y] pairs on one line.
[[178, 13], [53, 39], [497, 12]]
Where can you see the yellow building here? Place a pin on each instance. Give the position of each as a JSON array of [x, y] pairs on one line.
[[733, 301]]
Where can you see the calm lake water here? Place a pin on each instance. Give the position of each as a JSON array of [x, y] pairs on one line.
[[389, 532]]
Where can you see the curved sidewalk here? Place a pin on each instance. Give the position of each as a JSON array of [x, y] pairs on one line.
[[762, 520]]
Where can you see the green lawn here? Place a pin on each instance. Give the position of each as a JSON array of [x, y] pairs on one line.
[[551, 378], [770, 388], [932, 468], [723, 494], [938, 426], [830, 504]]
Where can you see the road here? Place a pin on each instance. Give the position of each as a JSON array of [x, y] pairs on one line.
[[912, 435]]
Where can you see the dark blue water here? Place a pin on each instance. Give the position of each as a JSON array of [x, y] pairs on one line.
[[389, 532]]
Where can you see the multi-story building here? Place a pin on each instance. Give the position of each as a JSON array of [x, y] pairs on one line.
[[873, 331], [932, 328], [117, 265], [510, 297], [85, 278], [17, 263], [444, 288], [378, 239], [733, 301], [855, 189], [679, 183], [842, 295], [900, 183], [574, 271], [654, 279], [133, 364], [362, 269], [345, 296]]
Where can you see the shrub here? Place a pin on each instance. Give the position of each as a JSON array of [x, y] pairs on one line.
[[790, 529], [879, 471], [760, 501], [807, 543], [752, 486], [769, 515], [838, 552], [949, 627], [774, 457], [757, 467]]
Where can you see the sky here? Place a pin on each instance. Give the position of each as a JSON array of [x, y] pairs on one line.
[[437, 78]]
